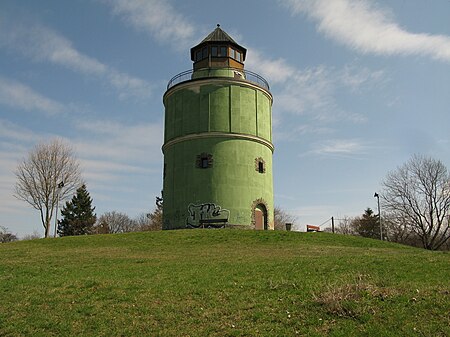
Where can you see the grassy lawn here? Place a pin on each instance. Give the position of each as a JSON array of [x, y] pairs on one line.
[[222, 283]]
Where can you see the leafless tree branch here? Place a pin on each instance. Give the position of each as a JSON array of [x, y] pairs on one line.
[[38, 176], [419, 193]]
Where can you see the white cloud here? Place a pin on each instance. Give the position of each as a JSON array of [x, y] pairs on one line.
[[366, 27], [20, 96], [340, 147], [295, 132], [156, 17], [312, 91], [129, 86], [299, 90], [110, 150], [10, 154], [115, 137], [115, 158], [357, 78], [45, 45], [309, 90], [276, 71]]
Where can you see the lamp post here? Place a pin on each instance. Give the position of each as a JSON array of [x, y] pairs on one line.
[[376, 195], [60, 186]]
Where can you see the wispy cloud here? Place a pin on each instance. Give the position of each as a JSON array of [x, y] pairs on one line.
[[42, 44], [114, 157], [120, 141], [300, 89], [14, 135], [20, 96], [368, 28], [112, 149], [275, 70], [156, 17], [340, 147], [295, 132], [312, 91], [357, 78]]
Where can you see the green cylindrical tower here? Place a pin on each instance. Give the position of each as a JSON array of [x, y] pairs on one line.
[[218, 141]]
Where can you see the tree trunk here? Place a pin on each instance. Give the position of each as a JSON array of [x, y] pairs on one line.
[[48, 225]]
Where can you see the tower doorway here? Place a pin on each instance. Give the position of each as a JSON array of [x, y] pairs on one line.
[[261, 217]]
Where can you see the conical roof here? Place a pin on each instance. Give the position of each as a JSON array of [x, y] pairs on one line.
[[218, 35]]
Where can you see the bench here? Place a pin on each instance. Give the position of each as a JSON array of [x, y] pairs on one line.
[[216, 223], [311, 228]]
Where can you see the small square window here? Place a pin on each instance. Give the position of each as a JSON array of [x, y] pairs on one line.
[[232, 51], [205, 53], [214, 51], [204, 160], [223, 51]]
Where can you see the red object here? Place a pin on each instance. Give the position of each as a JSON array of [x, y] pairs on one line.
[[311, 228]]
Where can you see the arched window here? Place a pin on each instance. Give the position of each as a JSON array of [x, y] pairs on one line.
[[260, 165]]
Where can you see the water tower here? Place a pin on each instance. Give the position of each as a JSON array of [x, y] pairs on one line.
[[218, 141]]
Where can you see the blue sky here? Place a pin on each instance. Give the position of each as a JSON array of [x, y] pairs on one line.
[[358, 86]]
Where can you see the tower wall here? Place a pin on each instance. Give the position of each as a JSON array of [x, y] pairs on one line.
[[217, 152]]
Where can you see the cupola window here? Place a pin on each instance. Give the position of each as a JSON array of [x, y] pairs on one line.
[[198, 55], [201, 54], [223, 51], [237, 56]]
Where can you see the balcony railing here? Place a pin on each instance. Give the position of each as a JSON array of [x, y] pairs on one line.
[[239, 74]]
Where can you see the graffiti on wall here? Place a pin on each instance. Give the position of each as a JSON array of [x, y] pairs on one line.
[[206, 215]]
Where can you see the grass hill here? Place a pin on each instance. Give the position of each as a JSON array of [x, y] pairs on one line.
[[222, 283]]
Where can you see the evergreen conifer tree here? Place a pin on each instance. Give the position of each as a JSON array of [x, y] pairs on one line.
[[368, 225], [78, 215]]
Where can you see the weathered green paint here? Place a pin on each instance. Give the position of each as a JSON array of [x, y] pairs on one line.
[[229, 118]]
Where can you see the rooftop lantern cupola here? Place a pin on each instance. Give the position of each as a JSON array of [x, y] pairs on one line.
[[218, 50]]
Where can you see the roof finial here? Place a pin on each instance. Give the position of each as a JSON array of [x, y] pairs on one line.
[[218, 25]]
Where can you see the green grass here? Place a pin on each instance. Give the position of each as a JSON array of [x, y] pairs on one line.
[[222, 283]]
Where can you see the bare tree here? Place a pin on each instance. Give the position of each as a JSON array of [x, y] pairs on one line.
[[142, 222], [397, 229], [114, 222], [33, 236], [50, 172], [345, 226], [419, 193], [6, 235], [281, 217], [151, 221]]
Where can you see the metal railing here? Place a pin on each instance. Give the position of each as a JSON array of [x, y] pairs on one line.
[[248, 76]]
